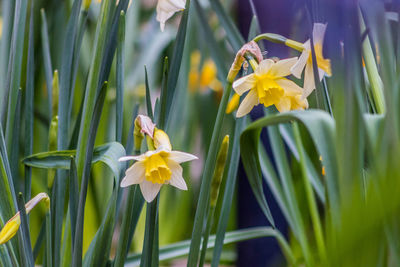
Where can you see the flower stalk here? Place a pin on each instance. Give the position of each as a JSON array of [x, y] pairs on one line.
[[215, 186]]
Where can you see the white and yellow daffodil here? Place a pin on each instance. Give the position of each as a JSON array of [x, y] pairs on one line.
[[269, 86], [167, 8], [11, 227], [157, 167], [305, 60]]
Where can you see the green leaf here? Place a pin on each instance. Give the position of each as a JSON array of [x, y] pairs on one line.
[[180, 249], [206, 179], [24, 236], [176, 61], [321, 127], [232, 33], [148, 95], [107, 153], [29, 94], [73, 196], [228, 192], [78, 242], [48, 69], [120, 77]]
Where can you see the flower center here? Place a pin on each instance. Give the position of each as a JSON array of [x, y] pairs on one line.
[[322, 63], [156, 169], [268, 91]]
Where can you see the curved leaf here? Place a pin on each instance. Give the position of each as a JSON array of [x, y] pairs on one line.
[[108, 153], [320, 126]]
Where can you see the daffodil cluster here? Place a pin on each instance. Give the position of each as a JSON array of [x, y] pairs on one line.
[[269, 85], [158, 166]]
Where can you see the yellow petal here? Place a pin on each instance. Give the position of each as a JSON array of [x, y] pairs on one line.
[[264, 67], [233, 104], [10, 229], [290, 87], [282, 67], [161, 140], [244, 84], [247, 104]]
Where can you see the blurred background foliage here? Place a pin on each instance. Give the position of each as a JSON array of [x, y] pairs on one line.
[[347, 152]]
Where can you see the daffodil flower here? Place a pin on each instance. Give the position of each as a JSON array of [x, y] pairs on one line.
[[11, 227], [167, 8], [305, 60], [269, 86], [157, 167]]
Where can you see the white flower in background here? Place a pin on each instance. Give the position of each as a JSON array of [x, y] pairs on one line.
[[157, 167], [305, 60], [167, 8]]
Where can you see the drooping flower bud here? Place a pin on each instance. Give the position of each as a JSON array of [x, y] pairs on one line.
[[143, 125], [11, 227], [251, 48]]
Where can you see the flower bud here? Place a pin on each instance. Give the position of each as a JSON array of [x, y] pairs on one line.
[[11, 227], [251, 48], [219, 171], [55, 93], [143, 125]]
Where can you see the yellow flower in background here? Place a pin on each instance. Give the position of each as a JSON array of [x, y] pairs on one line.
[[11, 227], [305, 60], [167, 8], [204, 79], [269, 86], [157, 167]]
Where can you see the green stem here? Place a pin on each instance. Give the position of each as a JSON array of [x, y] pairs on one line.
[[206, 179], [48, 240], [372, 72], [312, 205], [207, 231], [149, 259]]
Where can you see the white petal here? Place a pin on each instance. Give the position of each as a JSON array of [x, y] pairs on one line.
[[149, 190], [167, 8], [176, 176], [134, 175], [244, 84], [140, 157], [264, 66], [282, 67], [309, 83], [247, 104], [321, 74], [298, 68], [180, 157], [319, 33], [290, 87]]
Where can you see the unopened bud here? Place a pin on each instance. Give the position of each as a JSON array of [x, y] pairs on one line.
[[251, 48], [11, 227], [55, 93], [219, 171], [143, 125]]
